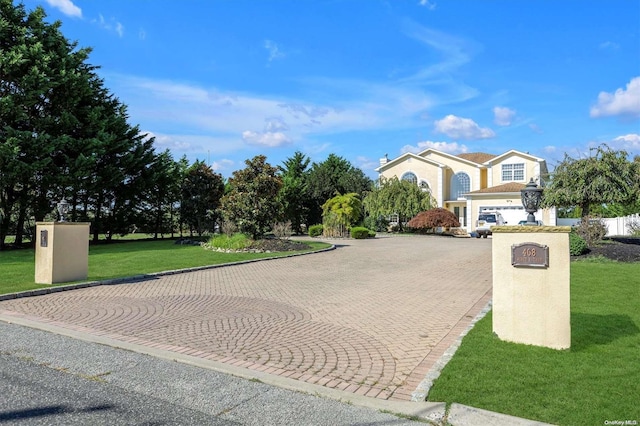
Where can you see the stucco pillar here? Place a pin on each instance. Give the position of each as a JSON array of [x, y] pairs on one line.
[[441, 196], [531, 278], [62, 252]]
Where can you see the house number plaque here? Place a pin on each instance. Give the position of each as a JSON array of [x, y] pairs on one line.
[[530, 254]]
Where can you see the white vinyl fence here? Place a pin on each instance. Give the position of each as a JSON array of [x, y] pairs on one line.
[[615, 225]]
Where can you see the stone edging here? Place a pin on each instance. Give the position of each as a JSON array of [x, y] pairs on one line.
[[143, 277], [422, 391]]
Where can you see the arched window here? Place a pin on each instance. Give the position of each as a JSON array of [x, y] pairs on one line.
[[460, 184], [410, 177], [424, 186]]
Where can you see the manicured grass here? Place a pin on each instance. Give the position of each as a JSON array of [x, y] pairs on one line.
[[116, 260], [597, 379]]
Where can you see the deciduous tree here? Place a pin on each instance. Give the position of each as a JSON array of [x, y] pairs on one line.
[[434, 218], [340, 213], [395, 196], [606, 176], [252, 202]]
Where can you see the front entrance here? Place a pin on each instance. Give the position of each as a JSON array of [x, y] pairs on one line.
[[462, 218]]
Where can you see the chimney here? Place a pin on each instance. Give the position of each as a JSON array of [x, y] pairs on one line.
[[384, 160]]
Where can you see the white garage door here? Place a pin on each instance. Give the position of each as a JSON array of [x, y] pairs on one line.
[[511, 214]]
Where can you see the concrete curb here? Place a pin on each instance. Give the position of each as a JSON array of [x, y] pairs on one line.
[[462, 415], [430, 411]]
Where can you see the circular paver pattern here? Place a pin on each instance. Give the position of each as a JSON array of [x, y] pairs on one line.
[[370, 317]]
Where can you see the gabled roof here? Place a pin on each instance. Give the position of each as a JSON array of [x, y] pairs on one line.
[[477, 157], [505, 187], [404, 157], [513, 151], [459, 158]]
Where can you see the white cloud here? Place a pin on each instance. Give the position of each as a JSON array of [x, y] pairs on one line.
[[223, 165], [274, 50], [629, 142], [462, 128], [188, 143], [196, 109], [454, 51], [550, 149], [609, 45], [449, 147], [535, 128], [275, 124], [119, 29], [111, 25], [428, 4], [503, 115], [67, 7], [268, 139], [142, 34], [366, 164], [622, 102], [272, 136]]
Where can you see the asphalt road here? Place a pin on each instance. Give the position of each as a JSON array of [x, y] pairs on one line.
[[50, 379]]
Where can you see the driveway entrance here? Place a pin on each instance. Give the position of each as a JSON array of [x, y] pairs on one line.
[[370, 317]]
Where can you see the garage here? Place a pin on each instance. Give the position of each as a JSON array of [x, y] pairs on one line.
[[511, 214]]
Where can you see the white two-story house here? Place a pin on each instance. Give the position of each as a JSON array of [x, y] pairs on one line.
[[469, 183]]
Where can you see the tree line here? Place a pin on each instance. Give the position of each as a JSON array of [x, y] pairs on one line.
[[63, 134]]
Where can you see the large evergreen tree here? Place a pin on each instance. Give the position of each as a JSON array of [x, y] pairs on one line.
[[62, 134], [332, 177], [293, 194], [202, 190]]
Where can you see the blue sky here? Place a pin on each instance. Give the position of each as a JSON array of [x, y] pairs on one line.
[[223, 81]]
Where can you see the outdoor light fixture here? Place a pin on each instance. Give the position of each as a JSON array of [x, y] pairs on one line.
[[531, 198], [63, 209]]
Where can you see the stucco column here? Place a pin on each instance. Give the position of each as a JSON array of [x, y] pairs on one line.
[[531, 285], [441, 196], [62, 252]]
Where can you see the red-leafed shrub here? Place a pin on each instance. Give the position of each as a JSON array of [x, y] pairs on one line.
[[434, 218]]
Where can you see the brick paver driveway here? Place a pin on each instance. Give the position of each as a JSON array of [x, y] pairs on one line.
[[370, 317]]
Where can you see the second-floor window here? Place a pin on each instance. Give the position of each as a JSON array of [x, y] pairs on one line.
[[460, 185], [511, 172]]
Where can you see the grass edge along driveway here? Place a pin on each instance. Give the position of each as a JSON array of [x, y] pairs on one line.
[[119, 260], [596, 381]]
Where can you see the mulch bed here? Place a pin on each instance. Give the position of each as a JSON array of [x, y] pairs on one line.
[[622, 249], [277, 244]]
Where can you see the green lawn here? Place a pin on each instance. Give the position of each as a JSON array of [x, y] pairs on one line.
[[17, 267], [597, 379]]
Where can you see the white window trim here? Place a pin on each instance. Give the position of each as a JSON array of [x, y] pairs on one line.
[[512, 172]]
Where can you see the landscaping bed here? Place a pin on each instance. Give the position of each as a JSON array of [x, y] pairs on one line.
[[622, 249]]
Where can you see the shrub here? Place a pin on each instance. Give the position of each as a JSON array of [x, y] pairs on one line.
[[282, 230], [379, 224], [634, 227], [234, 242], [360, 233], [434, 218], [577, 244], [592, 230], [228, 228], [315, 230]]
